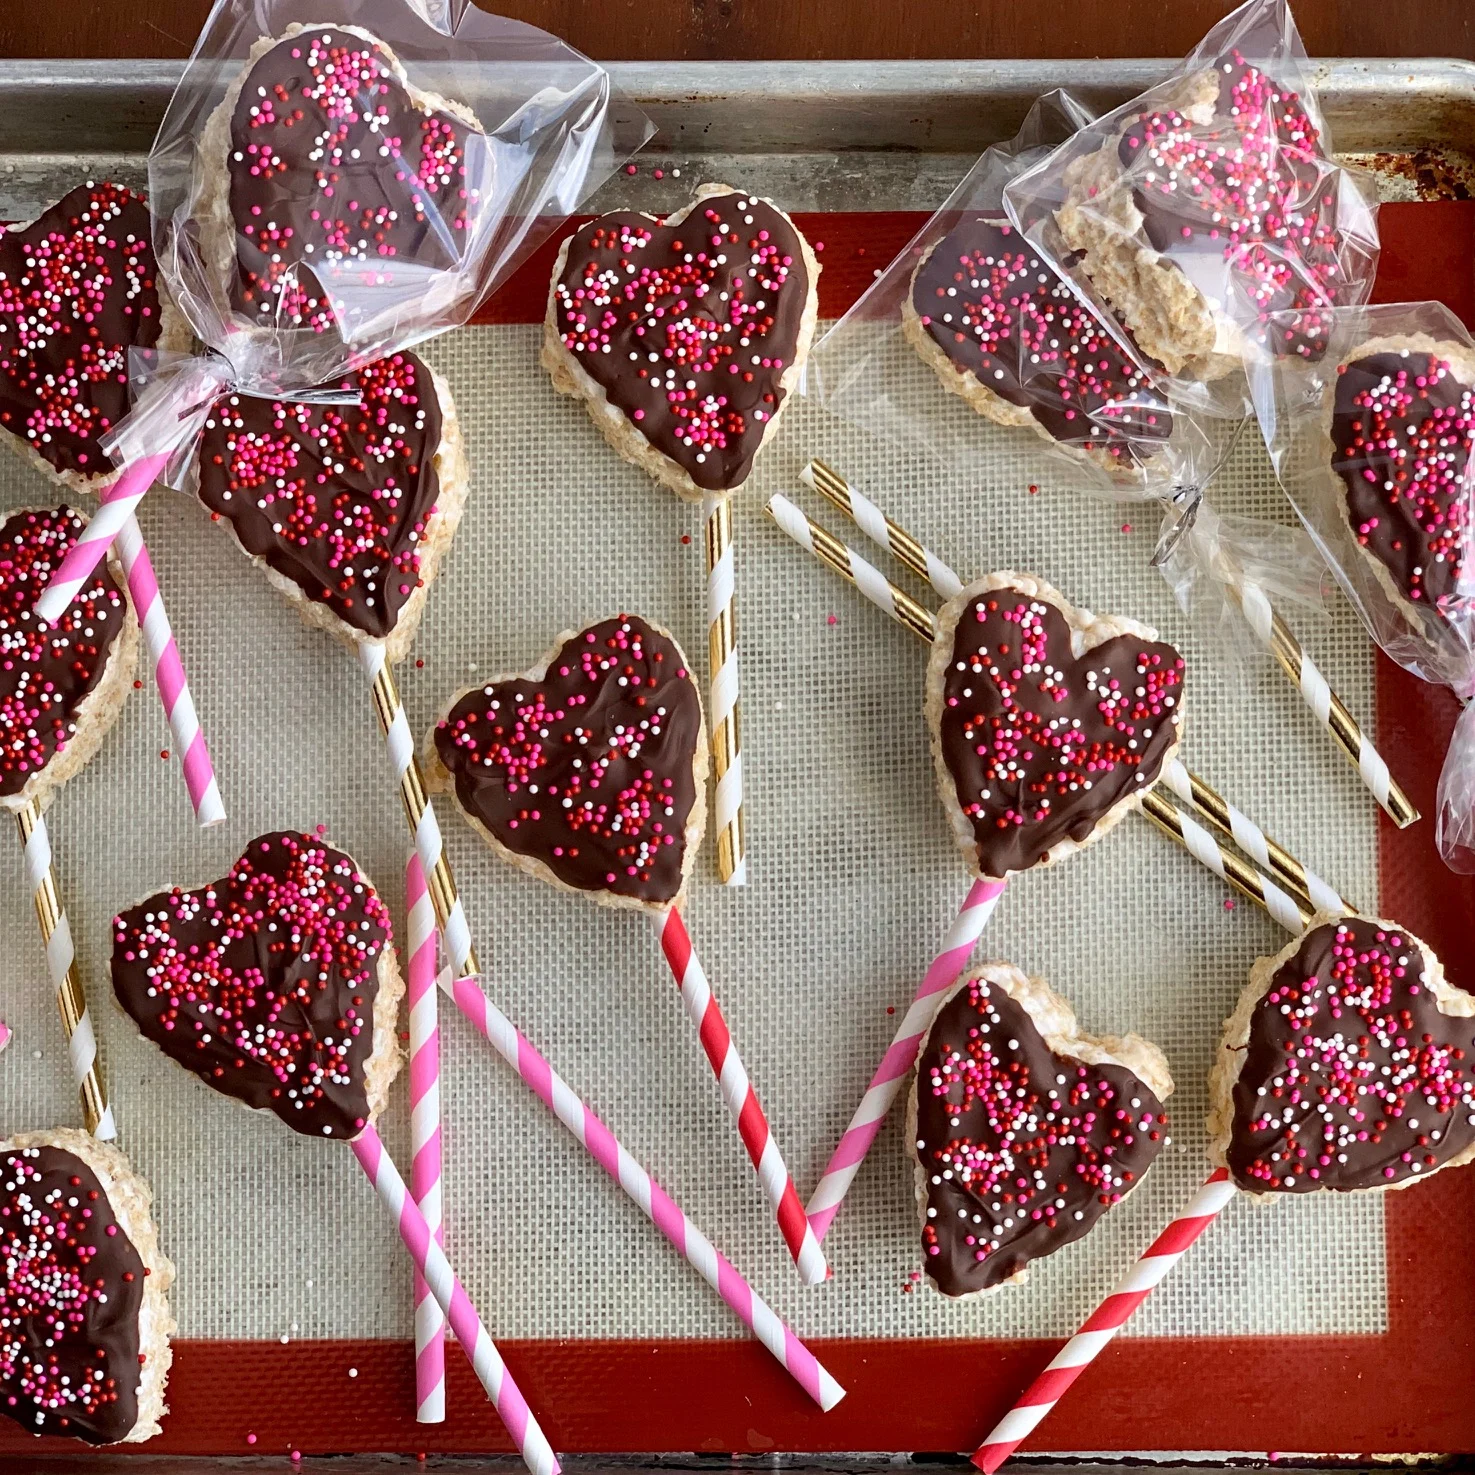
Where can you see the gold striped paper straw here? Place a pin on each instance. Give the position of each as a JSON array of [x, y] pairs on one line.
[[419, 811], [1304, 884], [61, 963], [722, 666], [1326, 706], [917, 618]]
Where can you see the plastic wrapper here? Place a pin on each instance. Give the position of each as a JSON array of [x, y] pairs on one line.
[[1373, 444], [339, 179], [969, 329], [968, 307], [1194, 214]]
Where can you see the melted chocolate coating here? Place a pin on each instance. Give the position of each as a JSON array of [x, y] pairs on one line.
[[1352, 1077], [336, 498], [992, 304], [689, 328], [72, 1290], [1023, 1150], [1403, 427], [590, 769], [47, 671], [1248, 201], [263, 983], [332, 163], [76, 293], [1040, 744]]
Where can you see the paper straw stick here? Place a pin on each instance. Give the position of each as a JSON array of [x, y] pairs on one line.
[[179, 706], [905, 610], [1267, 626], [1201, 845], [1105, 1322], [424, 826], [1326, 706], [425, 1142], [654, 1202], [532, 1444], [722, 663], [880, 529], [901, 1056], [1309, 890], [116, 505], [741, 1098], [61, 964]]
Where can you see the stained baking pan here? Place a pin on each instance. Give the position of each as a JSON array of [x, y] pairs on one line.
[[288, 1281]]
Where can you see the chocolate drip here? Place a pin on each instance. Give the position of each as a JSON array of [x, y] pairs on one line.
[[590, 769], [77, 291], [336, 498], [1022, 1150], [992, 304], [1039, 743], [48, 670], [689, 328], [72, 1291], [263, 984], [1403, 427], [332, 165], [1353, 1077]]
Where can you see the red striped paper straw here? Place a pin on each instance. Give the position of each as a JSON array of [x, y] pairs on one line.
[[179, 706], [425, 1146], [532, 1444], [901, 1056], [657, 1205], [116, 505], [741, 1098], [1105, 1322]]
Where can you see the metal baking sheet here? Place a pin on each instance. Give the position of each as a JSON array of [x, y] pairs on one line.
[[835, 139]]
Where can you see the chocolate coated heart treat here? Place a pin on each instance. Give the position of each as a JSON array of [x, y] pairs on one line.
[[1402, 426], [333, 168], [349, 508], [1048, 723], [85, 1324], [1023, 1130], [62, 685], [684, 336], [1349, 1065], [77, 291], [1009, 337], [588, 770], [1207, 212], [276, 985]]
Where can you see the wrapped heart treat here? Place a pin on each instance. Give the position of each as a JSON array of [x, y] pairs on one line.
[[1194, 213], [1373, 444]]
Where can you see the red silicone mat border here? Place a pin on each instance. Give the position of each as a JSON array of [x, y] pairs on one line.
[[1355, 1394]]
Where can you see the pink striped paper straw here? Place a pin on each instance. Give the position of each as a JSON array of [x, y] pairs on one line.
[[532, 1444], [741, 1098], [657, 1205], [116, 505], [179, 706], [1105, 1322], [425, 1153], [901, 1056]]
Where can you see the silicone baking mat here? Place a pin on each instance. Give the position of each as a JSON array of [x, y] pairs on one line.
[[293, 1295]]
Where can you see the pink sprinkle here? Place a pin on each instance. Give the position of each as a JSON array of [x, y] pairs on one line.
[[819, 246], [1126, 527], [250, 1439], [1228, 903], [832, 619], [629, 169]]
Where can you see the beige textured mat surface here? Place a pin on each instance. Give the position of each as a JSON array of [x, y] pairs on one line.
[[854, 880]]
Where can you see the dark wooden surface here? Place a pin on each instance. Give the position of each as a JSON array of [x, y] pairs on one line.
[[614, 30]]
